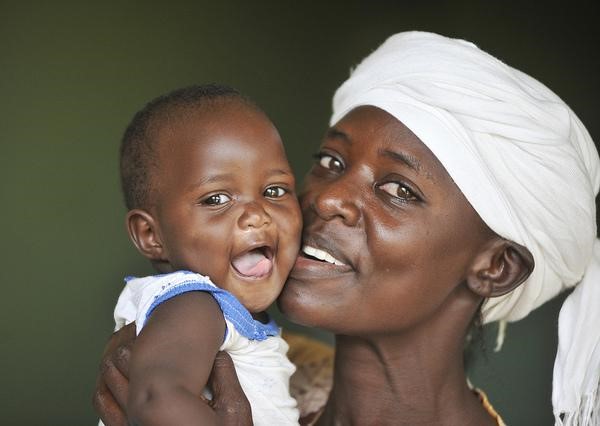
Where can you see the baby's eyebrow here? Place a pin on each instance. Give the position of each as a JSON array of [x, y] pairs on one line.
[[225, 177], [228, 177], [277, 172]]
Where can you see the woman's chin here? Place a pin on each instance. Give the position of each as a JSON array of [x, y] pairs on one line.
[[297, 307]]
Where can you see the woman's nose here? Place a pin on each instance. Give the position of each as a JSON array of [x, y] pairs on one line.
[[253, 216], [337, 199]]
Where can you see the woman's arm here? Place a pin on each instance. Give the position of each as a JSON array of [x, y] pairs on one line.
[[172, 360]]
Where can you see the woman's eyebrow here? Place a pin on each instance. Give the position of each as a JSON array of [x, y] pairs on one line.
[[409, 160], [333, 133]]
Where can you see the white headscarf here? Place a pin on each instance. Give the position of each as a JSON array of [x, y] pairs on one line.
[[525, 163]]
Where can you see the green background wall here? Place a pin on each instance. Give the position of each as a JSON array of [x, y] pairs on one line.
[[71, 76]]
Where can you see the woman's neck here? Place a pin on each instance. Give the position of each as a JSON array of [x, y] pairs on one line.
[[416, 378]]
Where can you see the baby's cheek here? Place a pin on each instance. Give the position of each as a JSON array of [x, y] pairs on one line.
[[211, 261]]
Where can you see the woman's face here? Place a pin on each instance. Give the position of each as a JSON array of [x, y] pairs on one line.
[[388, 236]]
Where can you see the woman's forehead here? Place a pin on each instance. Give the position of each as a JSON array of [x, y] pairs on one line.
[[375, 132]]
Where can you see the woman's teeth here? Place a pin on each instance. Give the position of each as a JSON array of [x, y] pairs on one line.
[[321, 255]]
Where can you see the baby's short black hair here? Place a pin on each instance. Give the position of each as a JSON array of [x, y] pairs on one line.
[[138, 154]]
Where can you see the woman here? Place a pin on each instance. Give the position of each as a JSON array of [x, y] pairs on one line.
[[449, 186]]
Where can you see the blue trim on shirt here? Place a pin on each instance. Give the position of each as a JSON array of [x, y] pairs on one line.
[[231, 307], [133, 277]]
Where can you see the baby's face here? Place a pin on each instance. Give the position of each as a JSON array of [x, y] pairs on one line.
[[226, 205]]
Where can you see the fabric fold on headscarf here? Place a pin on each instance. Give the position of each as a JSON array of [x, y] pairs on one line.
[[575, 380], [521, 157]]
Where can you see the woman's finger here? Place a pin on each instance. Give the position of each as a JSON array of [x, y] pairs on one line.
[[119, 348], [115, 383], [229, 401], [112, 384], [108, 409]]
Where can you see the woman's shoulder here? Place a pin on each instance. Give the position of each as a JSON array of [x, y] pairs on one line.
[[312, 381]]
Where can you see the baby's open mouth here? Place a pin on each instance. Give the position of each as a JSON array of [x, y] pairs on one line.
[[255, 263]]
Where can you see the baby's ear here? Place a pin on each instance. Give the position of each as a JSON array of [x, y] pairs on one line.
[[144, 233], [499, 268]]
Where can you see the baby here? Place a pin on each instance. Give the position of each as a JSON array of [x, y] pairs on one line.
[[209, 191]]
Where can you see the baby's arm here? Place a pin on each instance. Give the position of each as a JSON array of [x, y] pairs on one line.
[[172, 360]]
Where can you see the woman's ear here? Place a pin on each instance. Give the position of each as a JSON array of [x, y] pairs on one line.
[[144, 233], [499, 268]]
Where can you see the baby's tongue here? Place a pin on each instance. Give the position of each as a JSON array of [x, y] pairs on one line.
[[252, 264]]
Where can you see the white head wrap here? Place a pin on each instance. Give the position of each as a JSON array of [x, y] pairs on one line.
[[525, 163]]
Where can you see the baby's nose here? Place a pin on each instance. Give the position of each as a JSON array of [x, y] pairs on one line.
[[254, 216]]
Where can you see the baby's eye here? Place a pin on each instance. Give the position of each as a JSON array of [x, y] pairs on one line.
[[216, 199], [274, 192], [398, 190], [329, 162]]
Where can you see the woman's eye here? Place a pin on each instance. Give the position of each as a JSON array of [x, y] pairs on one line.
[[216, 199], [396, 189], [331, 163], [274, 192]]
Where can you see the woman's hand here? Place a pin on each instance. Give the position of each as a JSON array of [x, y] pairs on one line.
[[112, 385], [229, 401]]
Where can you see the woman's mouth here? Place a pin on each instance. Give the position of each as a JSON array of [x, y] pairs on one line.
[[313, 252], [318, 263], [256, 263]]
